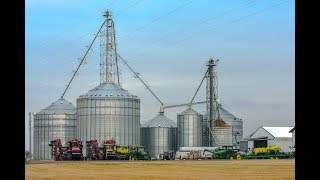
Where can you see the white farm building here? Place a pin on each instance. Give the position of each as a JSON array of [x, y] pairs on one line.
[[271, 136]]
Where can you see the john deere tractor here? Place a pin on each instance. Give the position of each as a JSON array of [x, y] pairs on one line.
[[226, 152]]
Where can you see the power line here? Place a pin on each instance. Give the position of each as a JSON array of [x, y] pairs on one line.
[[233, 21], [224, 13], [237, 20], [202, 22], [157, 19], [132, 5], [258, 12], [68, 43], [81, 21]]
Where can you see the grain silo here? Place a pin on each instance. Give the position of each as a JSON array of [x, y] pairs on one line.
[[158, 135], [109, 111], [236, 126], [189, 128], [222, 133], [56, 121], [235, 123]]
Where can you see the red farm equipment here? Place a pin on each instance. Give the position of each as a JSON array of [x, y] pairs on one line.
[[71, 152], [74, 150], [109, 149], [56, 149], [93, 150]]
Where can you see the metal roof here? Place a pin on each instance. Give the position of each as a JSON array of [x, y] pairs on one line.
[[61, 106], [189, 111], [279, 131], [270, 133], [258, 138], [160, 121], [108, 89], [227, 116]]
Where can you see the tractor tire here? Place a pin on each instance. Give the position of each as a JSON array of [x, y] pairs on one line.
[[238, 156]]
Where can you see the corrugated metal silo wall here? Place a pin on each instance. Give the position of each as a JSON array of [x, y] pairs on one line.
[[48, 127], [237, 130], [189, 130], [106, 118], [159, 139], [223, 135]]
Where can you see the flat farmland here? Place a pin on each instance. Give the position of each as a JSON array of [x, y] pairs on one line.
[[174, 169]]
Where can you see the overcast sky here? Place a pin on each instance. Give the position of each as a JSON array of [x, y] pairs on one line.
[[169, 43]]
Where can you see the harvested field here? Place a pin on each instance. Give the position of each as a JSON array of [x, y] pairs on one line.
[[188, 169]]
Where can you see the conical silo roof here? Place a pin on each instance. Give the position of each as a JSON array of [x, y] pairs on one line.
[[61, 106], [160, 121], [226, 115], [189, 111], [108, 89]]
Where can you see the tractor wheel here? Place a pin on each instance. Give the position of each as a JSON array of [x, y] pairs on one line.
[[238, 156]]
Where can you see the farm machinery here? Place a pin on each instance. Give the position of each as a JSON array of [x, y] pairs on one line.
[[73, 151], [225, 152], [109, 151], [270, 152], [138, 153], [168, 155], [93, 150], [113, 151], [56, 149]]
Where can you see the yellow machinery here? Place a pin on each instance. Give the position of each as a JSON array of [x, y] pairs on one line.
[[122, 150], [266, 150]]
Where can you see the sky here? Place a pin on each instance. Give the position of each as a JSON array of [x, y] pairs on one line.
[[169, 43]]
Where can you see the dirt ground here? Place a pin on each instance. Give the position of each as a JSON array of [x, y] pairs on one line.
[[174, 169]]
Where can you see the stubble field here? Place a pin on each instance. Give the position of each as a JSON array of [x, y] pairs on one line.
[[174, 169]]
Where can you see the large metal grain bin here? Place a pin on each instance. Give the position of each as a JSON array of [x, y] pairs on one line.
[[158, 135], [222, 133], [56, 121], [189, 128], [106, 112], [235, 123]]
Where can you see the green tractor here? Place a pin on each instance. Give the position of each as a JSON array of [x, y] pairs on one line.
[[138, 153], [226, 152]]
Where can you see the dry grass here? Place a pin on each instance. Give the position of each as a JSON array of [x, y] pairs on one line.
[[189, 169]]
